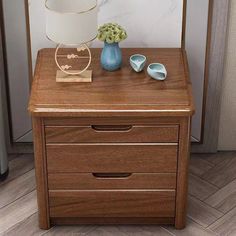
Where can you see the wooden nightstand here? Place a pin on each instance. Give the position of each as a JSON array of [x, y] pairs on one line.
[[115, 150]]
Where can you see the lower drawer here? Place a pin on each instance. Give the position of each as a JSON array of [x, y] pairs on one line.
[[112, 203], [111, 181]]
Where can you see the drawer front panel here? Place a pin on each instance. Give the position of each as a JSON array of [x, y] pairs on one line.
[[104, 158], [112, 134], [110, 203], [85, 181]]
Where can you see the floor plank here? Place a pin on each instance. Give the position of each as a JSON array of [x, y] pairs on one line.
[[17, 188], [198, 166], [202, 213], [200, 188], [192, 229], [222, 174], [217, 158], [70, 230], [225, 198], [19, 166], [144, 230], [106, 231], [12, 156], [17, 211], [27, 227], [129, 231], [226, 225]]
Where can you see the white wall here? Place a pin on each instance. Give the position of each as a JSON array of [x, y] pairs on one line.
[[149, 23], [227, 135]]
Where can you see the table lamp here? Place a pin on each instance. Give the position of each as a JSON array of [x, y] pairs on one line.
[[72, 23]]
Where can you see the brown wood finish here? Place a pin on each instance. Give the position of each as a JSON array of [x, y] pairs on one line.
[[112, 203], [115, 150], [112, 134], [41, 173], [183, 43], [182, 173], [87, 121], [113, 158], [86, 181], [126, 93], [113, 221]]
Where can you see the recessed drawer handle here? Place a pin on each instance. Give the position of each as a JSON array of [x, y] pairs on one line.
[[107, 128], [111, 175]]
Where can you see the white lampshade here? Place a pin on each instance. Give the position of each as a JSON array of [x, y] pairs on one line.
[[71, 22]]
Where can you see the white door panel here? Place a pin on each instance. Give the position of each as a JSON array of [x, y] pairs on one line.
[[196, 43], [17, 61]]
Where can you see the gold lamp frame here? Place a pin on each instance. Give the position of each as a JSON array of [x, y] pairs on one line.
[[65, 74]]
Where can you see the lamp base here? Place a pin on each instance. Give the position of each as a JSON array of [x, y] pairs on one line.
[[85, 77]]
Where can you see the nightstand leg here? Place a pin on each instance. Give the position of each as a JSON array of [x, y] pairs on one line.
[[182, 173], [41, 173]]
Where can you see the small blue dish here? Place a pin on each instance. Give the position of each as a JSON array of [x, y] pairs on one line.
[[138, 62], [157, 71]]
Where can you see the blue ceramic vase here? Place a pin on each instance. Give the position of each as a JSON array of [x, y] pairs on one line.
[[111, 58]]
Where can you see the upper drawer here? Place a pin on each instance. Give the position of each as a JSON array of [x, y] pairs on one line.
[[112, 133], [112, 158]]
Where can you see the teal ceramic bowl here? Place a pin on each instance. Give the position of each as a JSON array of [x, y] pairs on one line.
[[157, 71], [138, 62]]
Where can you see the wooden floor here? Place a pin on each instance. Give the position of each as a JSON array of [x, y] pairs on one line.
[[212, 202]]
